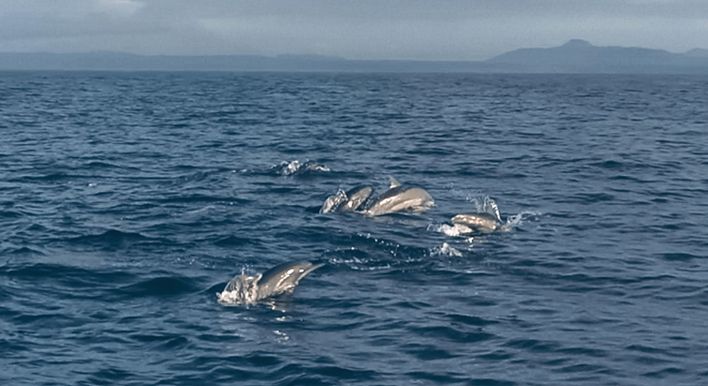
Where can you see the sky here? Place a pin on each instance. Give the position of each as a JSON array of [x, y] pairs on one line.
[[357, 29]]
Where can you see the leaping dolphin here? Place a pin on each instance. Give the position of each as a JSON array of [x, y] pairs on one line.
[[484, 222], [400, 198], [480, 222], [283, 278]]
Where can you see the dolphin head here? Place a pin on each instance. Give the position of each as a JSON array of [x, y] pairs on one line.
[[333, 202], [357, 197], [242, 289]]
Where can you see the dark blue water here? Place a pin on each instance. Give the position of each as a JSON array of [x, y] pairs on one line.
[[127, 200]]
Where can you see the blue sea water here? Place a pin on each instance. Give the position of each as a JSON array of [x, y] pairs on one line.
[[127, 200]]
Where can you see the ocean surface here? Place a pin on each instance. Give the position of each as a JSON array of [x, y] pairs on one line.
[[128, 200]]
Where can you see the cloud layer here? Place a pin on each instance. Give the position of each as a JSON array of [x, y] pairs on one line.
[[420, 29]]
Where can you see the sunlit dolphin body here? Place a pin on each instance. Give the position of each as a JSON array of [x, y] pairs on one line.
[[400, 198], [477, 222], [484, 222], [283, 278]]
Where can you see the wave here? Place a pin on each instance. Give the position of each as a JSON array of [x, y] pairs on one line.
[[235, 241], [7, 214], [102, 164], [22, 251], [113, 239], [370, 253], [66, 277], [355, 259], [115, 247], [160, 286], [201, 198]]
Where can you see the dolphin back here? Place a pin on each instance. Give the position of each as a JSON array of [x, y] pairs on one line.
[[284, 278], [401, 199]]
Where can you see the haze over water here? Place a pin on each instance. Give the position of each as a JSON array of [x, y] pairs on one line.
[[127, 200]]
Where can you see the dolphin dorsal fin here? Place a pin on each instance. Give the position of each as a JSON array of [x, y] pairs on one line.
[[393, 182]]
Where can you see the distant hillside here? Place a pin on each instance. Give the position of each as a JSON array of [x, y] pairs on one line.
[[579, 56], [576, 56], [112, 61], [698, 53]]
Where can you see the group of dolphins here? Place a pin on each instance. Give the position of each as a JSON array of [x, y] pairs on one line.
[[283, 278]]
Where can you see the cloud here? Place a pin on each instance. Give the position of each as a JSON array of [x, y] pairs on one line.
[[120, 7], [442, 29]]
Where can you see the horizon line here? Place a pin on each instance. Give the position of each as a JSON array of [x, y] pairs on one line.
[[334, 57]]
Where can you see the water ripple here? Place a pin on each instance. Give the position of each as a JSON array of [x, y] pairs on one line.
[[127, 200]]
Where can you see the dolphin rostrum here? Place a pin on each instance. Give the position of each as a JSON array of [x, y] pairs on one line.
[[283, 278], [400, 198]]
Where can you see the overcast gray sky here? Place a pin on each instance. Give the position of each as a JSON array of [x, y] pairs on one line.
[[376, 29]]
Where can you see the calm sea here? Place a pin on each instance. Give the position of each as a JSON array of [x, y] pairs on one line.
[[127, 200]]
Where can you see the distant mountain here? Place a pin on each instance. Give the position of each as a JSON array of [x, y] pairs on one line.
[[579, 56], [698, 53], [123, 61], [112, 61], [576, 56]]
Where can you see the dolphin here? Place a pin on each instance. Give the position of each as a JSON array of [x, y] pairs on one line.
[[484, 222], [283, 278], [350, 201], [480, 222], [400, 198]]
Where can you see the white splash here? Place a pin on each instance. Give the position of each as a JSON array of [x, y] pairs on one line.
[[333, 202], [485, 204], [281, 336], [518, 219], [295, 167], [451, 230], [242, 289], [291, 167], [447, 250]]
